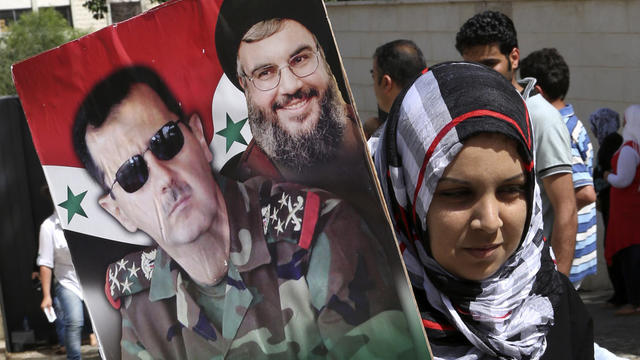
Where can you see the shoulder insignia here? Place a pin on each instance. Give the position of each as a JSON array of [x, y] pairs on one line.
[[292, 216], [129, 275]]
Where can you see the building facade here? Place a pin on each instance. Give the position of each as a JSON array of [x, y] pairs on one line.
[[77, 15]]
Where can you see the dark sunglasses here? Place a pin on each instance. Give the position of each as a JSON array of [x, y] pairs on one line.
[[164, 145]]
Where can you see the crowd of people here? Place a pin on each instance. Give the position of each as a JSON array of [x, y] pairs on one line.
[[461, 317]]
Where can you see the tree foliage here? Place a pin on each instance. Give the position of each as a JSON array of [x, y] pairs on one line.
[[32, 34], [97, 7]]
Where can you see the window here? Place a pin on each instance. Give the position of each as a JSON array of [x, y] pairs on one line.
[[65, 11], [121, 11], [9, 16]]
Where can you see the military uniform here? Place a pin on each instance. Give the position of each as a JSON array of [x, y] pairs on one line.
[[305, 280], [358, 189]]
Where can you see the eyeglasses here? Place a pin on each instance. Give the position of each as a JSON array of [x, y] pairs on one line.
[[301, 65], [164, 145]]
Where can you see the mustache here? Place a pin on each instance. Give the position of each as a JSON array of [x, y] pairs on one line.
[[301, 151], [285, 99], [173, 195]]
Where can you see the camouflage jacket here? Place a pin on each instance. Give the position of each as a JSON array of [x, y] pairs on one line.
[[305, 280]]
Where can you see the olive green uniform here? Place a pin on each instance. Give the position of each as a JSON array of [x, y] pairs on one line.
[[305, 280]]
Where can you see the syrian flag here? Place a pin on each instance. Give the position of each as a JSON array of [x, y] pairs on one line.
[[52, 85], [229, 112]]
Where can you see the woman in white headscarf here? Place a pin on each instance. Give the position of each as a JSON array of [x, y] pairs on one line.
[[456, 166], [622, 245]]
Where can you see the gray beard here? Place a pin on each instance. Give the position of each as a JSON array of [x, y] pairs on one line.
[[300, 151]]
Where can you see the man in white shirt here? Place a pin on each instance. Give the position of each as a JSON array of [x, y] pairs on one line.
[[54, 258]]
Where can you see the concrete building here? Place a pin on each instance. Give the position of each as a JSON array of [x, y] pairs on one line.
[[77, 15]]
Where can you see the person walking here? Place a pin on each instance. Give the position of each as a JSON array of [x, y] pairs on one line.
[[623, 237], [54, 258], [604, 125]]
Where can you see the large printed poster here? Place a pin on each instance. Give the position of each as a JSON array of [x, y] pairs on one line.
[[208, 168]]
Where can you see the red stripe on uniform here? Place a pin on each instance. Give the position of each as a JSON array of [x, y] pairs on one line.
[[436, 326], [444, 131], [310, 219], [107, 291]]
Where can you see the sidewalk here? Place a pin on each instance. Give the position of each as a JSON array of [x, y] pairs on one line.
[[618, 334], [88, 353]]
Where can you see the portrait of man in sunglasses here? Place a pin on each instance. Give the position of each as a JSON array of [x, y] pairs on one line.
[[247, 270], [282, 56]]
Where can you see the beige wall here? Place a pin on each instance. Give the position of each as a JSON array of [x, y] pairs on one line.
[[600, 40]]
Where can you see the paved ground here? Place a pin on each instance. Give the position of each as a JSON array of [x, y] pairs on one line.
[[618, 334], [88, 353]]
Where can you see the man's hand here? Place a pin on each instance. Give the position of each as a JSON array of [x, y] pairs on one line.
[[45, 277], [46, 302], [559, 189]]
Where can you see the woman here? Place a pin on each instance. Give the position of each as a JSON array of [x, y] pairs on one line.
[[457, 161], [604, 124], [623, 238]]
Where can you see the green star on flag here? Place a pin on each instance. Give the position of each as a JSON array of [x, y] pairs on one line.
[[73, 204], [232, 132]]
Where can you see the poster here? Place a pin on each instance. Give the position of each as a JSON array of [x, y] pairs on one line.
[[208, 168]]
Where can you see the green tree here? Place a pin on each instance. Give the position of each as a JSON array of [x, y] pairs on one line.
[[32, 34]]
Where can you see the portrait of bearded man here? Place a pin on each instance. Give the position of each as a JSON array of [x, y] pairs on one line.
[[283, 58]]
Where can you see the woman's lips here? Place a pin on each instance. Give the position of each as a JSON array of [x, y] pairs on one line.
[[482, 252]]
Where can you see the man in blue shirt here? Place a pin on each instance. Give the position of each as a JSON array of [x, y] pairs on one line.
[[552, 73]]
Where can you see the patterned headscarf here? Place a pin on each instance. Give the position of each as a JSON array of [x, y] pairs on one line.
[[508, 314], [604, 121], [631, 130]]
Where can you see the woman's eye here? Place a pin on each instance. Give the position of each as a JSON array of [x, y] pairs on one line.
[[515, 189], [454, 193]]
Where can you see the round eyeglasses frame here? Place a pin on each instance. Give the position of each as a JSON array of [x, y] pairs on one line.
[[256, 82]]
